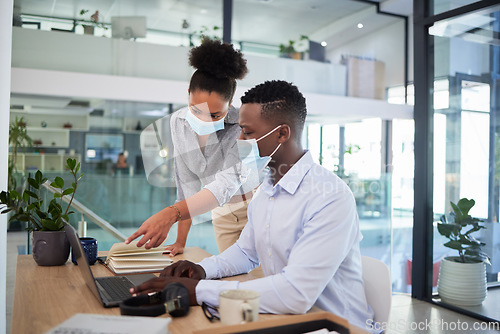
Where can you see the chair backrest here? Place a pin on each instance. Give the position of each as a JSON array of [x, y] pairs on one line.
[[378, 287]]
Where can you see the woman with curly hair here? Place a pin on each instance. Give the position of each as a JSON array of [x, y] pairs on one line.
[[204, 135]]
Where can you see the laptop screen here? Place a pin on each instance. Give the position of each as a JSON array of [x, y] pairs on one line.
[[81, 259]]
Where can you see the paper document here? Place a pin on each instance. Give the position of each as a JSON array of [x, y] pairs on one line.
[[128, 259], [82, 323]]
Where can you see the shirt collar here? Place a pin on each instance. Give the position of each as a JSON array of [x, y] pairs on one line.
[[292, 179], [231, 117]]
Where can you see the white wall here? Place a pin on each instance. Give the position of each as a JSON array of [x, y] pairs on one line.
[[6, 7], [63, 84], [60, 51], [386, 44]]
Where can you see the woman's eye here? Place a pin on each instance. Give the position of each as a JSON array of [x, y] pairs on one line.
[[215, 116]]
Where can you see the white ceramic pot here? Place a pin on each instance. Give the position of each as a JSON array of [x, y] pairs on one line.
[[462, 284]]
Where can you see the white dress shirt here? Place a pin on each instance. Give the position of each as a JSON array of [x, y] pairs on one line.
[[304, 231]]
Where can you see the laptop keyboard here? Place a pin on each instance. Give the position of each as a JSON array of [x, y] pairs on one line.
[[117, 287]]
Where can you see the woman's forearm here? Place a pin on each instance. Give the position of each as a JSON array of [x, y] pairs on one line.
[[201, 202]]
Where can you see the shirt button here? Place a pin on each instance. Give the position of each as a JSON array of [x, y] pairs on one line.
[[270, 253], [267, 225], [271, 198]]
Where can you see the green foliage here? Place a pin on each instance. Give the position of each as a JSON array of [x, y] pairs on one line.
[[349, 149], [28, 206], [469, 249], [286, 49], [206, 33], [18, 138]]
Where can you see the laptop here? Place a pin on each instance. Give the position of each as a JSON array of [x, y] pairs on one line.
[[109, 290]]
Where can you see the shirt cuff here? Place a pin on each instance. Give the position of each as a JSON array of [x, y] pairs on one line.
[[210, 267], [208, 291]]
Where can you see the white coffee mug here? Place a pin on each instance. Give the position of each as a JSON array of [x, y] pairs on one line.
[[238, 306]]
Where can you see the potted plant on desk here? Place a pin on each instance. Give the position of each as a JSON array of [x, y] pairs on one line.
[[462, 278], [50, 245]]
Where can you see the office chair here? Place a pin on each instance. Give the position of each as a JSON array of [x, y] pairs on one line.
[[378, 287]]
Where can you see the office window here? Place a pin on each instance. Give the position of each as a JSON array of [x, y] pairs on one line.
[[102, 147], [462, 143]]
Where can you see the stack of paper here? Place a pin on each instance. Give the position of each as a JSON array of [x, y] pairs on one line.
[[127, 259]]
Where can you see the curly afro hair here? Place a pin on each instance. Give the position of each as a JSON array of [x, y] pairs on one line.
[[281, 102], [217, 65]]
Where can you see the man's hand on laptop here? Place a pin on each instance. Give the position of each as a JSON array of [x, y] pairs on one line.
[[184, 269], [159, 283]]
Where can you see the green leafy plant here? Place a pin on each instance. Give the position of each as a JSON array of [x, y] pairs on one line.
[[294, 46], [340, 170], [287, 48], [205, 33], [469, 249], [29, 206], [18, 138]]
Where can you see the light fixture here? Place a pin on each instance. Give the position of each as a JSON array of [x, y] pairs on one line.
[[91, 154], [324, 43], [163, 152], [360, 25]]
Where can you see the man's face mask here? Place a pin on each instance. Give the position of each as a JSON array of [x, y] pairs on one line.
[[248, 150]]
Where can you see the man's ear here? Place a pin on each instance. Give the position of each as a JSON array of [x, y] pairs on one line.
[[284, 133]]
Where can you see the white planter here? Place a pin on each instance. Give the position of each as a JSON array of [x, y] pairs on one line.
[[462, 284]]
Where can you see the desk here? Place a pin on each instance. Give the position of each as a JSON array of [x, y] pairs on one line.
[[46, 296]]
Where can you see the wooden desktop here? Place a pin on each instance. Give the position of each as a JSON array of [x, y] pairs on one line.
[[46, 296]]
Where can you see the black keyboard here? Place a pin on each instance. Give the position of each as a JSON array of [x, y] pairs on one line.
[[117, 287]]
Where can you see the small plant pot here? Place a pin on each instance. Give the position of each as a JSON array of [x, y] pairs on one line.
[[50, 248], [462, 284]]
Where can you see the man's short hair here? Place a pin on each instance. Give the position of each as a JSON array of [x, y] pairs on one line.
[[281, 102]]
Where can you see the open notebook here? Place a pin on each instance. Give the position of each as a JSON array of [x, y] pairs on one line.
[[127, 259]]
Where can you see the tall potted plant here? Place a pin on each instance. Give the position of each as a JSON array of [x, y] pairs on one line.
[[50, 245], [18, 138], [462, 278]]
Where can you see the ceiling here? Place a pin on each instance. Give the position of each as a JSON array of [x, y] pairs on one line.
[[479, 27], [261, 21]]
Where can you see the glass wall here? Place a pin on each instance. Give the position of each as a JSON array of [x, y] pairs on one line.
[[384, 194], [457, 112]]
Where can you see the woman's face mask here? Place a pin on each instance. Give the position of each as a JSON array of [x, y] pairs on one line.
[[206, 112], [202, 127]]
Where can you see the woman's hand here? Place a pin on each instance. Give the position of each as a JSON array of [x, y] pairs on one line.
[[155, 229], [175, 248], [184, 269]]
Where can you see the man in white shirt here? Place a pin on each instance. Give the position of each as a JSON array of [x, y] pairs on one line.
[[302, 228]]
